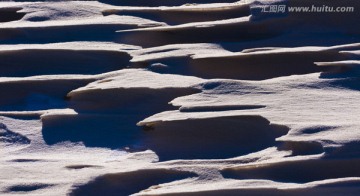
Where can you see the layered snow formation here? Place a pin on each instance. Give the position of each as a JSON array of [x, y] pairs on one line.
[[178, 97]]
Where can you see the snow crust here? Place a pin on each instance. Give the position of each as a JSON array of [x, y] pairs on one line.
[[178, 98]]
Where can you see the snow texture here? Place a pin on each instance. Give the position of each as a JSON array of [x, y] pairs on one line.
[[180, 97]]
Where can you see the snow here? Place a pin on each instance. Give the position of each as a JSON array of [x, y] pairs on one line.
[[178, 98]]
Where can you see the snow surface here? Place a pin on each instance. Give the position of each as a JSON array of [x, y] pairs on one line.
[[178, 97]]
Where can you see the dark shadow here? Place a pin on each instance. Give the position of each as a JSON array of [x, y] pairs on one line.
[[333, 189], [315, 129], [155, 3], [346, 151], [94, 130], [297, 40], [110, 122], [302, 148], [175, 17], [128, 183], [10, 14], [247, 66], [26, 160], [76, 167], [21, 63], [260, 67], [174, 65], [349, 83], [343, 77], [220, 108], [298, 171], [212, 138], [67, 33], [28, 188], [107, 118], [238, 32], [35, 95], [9, 137]]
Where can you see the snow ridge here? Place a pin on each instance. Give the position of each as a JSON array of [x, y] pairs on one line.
[[178, 97]]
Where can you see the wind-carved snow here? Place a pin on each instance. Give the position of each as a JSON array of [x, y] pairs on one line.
[[8, 137], [306, 101], [178, 98]]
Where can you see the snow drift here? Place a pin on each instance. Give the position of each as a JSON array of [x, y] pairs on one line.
[[158, 97]]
